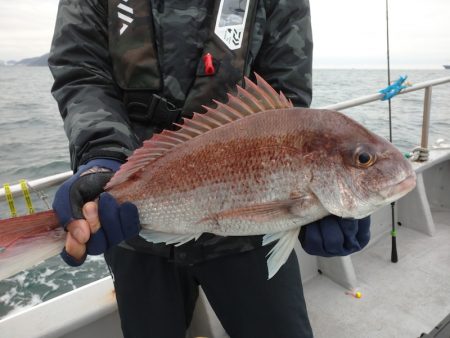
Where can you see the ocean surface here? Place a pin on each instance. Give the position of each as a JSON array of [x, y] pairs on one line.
[[33, 145]]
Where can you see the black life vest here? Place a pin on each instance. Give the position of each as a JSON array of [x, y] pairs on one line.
[[136, 68]]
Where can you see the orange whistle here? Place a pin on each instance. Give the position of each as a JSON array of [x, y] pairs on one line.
[[209, 65]]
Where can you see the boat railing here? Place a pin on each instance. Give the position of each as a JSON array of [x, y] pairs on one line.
[[36, 185], [426, 85], [53, 180]]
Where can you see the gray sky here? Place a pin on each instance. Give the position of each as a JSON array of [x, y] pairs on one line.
[[352, 33], [347, 33]]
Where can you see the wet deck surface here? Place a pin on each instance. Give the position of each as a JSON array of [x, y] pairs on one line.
[[398, 300]]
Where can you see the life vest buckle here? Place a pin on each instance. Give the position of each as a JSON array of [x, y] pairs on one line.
[[152, 110]]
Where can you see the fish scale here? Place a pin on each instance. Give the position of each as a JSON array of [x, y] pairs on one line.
[[235, 180]]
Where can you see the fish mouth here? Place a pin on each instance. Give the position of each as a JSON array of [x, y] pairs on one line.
[[395, 191]]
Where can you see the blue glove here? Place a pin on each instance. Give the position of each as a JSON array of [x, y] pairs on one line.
[[118, 223], [85, 186], [335, 236]]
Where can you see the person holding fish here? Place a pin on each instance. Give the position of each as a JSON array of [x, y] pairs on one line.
[[216, 189]]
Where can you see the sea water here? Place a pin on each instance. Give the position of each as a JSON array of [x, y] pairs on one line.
[[33, 145]]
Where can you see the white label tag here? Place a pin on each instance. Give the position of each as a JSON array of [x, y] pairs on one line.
[[230, 22]]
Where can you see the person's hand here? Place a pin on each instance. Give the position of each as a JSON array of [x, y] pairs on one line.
[[106, 224], [79, 215], [335, 236]]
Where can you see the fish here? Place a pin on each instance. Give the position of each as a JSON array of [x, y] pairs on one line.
[[255, 165]]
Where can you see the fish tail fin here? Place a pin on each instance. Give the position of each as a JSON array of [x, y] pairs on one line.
[[281, 251], [28, 240]]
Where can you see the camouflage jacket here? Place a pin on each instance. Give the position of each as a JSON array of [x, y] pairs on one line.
[[91, 101]]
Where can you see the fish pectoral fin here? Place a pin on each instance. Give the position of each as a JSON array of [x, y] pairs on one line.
[[167, 238], [262, 212], [281, 251]]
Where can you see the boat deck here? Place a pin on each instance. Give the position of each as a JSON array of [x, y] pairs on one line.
[[401, 299]]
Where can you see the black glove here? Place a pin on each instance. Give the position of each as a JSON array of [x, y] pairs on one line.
[[86, 185]]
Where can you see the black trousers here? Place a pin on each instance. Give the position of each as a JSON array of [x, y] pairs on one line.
[[156, 297]]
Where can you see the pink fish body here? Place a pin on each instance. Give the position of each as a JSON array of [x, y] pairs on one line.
[[257, 165]]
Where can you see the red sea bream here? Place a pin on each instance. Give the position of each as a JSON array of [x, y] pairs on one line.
[[258, 165]]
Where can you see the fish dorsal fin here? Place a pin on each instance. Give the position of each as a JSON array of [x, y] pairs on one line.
[[255, 98]]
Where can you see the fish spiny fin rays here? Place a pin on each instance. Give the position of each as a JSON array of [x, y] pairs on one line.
[[280, 253], [253, 99], [163, 237]]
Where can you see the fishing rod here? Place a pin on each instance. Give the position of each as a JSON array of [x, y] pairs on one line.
[[394, 255]]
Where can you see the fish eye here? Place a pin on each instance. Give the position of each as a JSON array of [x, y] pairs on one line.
[[364, 158]]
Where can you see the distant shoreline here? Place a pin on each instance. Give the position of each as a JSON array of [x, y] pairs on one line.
[[38, 61]]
